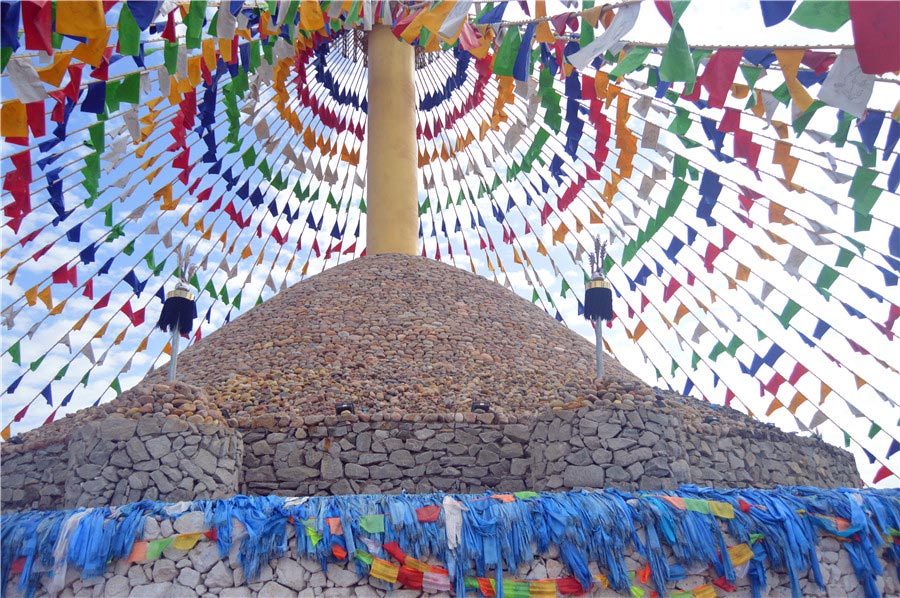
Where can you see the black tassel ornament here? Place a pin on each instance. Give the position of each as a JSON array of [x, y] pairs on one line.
[[178, 312], [598, 304], [177, 316]]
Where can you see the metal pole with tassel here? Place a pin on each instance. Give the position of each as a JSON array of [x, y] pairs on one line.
[[177, 316], [598, 299]]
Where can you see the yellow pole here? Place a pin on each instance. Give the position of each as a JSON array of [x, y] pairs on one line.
[[392, 219]]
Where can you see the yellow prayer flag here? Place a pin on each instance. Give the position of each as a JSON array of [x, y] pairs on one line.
[[102, 331], [81, 18], [384, 570], [186, 541], [790, 63], [13, 119], [92, 51], [639, 331], [721, 509], [826, 390], [225, 48], [47, 297], [5, 433], [185, 217], [740, 554], [798, 400], [194, 73], [53, 75], [559, 235], [58, 309], [704, 591], [246, 252], [859, 381], [311, 18], [81, 322], [121, 336], [543, 588], [434, 16], [209, 53], [142, 347]]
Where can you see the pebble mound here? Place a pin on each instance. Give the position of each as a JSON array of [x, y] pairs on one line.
[[392, 334]]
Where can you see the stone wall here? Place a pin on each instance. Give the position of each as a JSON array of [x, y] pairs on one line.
[[626, 447], [120, 460], [203, 573], [619, 440]]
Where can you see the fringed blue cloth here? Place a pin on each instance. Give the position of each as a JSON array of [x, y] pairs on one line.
[[674, 531]]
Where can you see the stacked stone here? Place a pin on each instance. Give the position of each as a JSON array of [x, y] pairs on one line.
[[203, 573], [168, 399], [165, 442], [392, 334]]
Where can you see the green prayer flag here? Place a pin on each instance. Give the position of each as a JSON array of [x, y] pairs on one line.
[[116, 386], [118, 232], [826, 278], [364, 556], [565, 288], [525, 494], [85, 378], [827, 16], [717, 350], [16, 353], [782, 94], [129, 33], [734, 345], [696, 505], [676, 63], [790, 310], [156, 548], [846, 440], [108, 219], [62, 373], [265, 169], [845, 256], [249, 157], [237, 300], [505, 59], [695, 359], [170, 57], [255, 59], [195, 282], [516, 589], [681, 123], [373, 524], [839, 138], [209, 288], [362, 206], [674, 367], [751, 74], [633, 61], [196, 16], [875, 429], [534, 297], [223, 294], [801, 121], [130, 89]]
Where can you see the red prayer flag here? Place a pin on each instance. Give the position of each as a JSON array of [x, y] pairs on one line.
[[428, 514], [37, 16], [719, 75], [569, 585], [37, 119], [882, 473], [875, 36]]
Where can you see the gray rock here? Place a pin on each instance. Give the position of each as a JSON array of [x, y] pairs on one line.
[[341, 577], [618, 444], [288, 572], [242, 592], [626, 458], [581, 457], [388, 471], [117, 429], [158, 590], [190, 523], [164, 570], [512, 450], [206, 461], [517, 432], [116, 587], [356, 472], [159, 446], [204, 556], [219, 577], [402, 458], [274, 590], [189, 578], [331, 468], [588, 476], [617, 474]]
